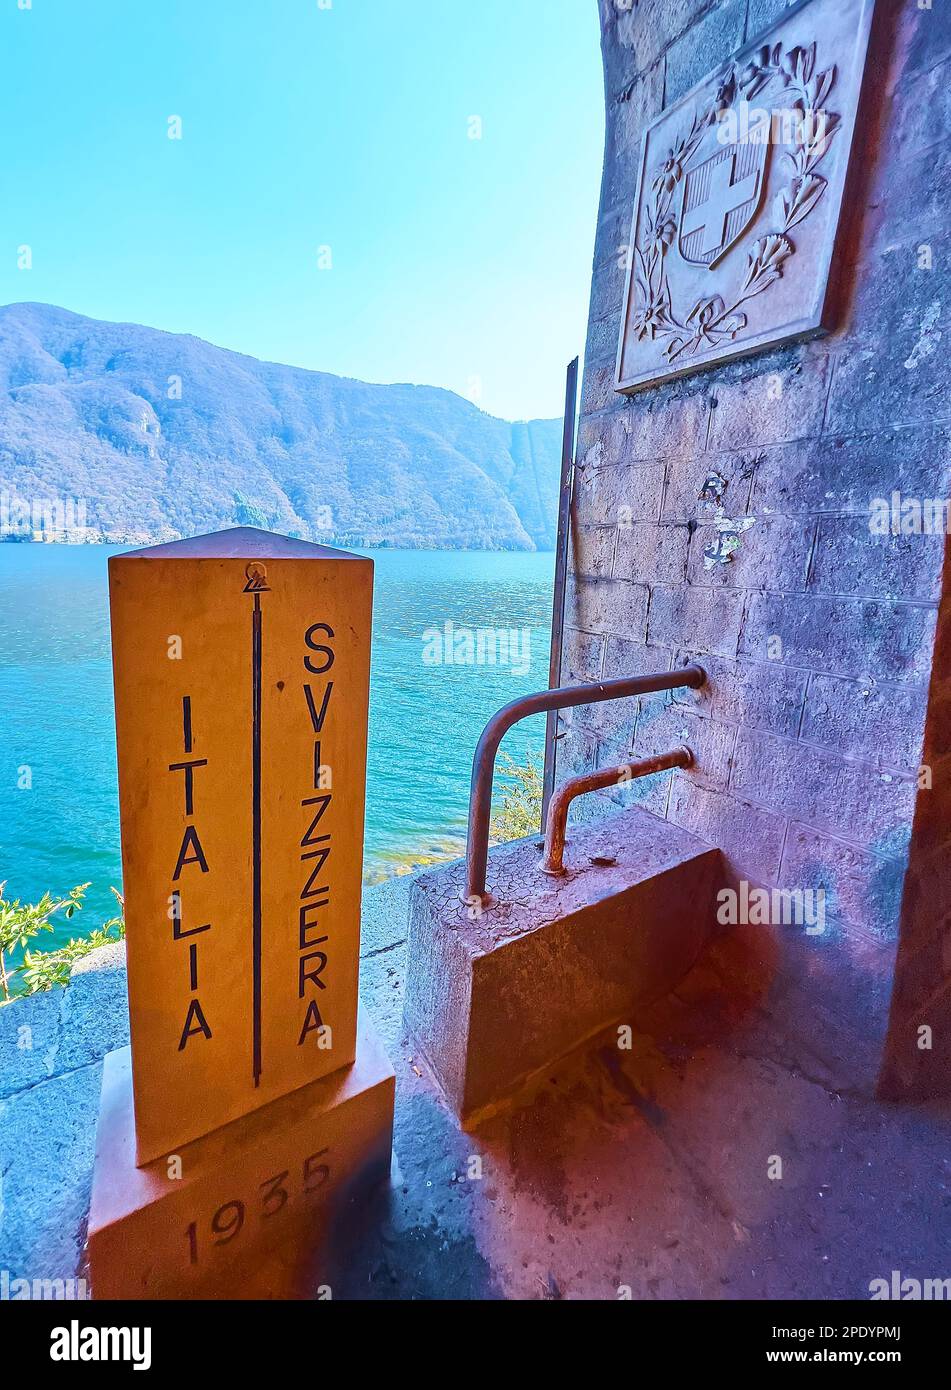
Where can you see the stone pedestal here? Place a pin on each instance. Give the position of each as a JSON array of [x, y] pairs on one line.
[[196, 1223], [495, 995]]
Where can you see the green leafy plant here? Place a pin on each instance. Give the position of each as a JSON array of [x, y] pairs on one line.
[[520, 812], [21, 922], [47, 969]]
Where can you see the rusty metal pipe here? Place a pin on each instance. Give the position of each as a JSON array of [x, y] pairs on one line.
[[557, 822], [565, 697]]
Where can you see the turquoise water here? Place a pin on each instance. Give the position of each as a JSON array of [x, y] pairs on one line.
[[425, 718]]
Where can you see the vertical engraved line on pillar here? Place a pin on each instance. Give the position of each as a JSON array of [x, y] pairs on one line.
[[256, 652], [257, 585]]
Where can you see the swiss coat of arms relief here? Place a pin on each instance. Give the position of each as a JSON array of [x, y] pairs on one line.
[[738, 182]]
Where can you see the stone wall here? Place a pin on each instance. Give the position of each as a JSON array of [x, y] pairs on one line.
[[51, 1050], [828, 685]]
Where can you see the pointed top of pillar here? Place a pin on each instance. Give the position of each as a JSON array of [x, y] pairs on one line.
[[240, 543]]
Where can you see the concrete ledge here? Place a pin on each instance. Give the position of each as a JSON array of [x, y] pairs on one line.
[[59, 1030], [29, 1041], [495, 995], [95, 1013]]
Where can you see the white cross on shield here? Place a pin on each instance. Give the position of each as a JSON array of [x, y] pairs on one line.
[[721, 197]]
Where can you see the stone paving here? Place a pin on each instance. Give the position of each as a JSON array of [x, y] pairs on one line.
[[643, 1173]]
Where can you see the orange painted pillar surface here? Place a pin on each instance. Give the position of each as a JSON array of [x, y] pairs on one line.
[[241, 665]]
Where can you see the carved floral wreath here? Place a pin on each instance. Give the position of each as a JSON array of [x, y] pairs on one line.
[[710, 322]]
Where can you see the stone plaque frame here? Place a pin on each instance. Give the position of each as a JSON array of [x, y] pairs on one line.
[[759, 274]]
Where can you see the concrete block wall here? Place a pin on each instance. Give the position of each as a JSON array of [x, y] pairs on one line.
[[51, 1050], [828, 686]]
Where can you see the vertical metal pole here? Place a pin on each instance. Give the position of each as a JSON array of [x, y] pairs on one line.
[[561, 579]]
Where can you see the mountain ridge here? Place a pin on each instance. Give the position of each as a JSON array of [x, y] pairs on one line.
[[162, 435]]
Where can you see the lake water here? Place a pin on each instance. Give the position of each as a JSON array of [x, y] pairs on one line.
[[425, 718]]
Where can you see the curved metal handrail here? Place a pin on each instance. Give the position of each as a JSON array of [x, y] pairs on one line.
[[565, 697], [556, 823]]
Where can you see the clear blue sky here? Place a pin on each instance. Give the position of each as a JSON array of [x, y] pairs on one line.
[[454, 260]]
